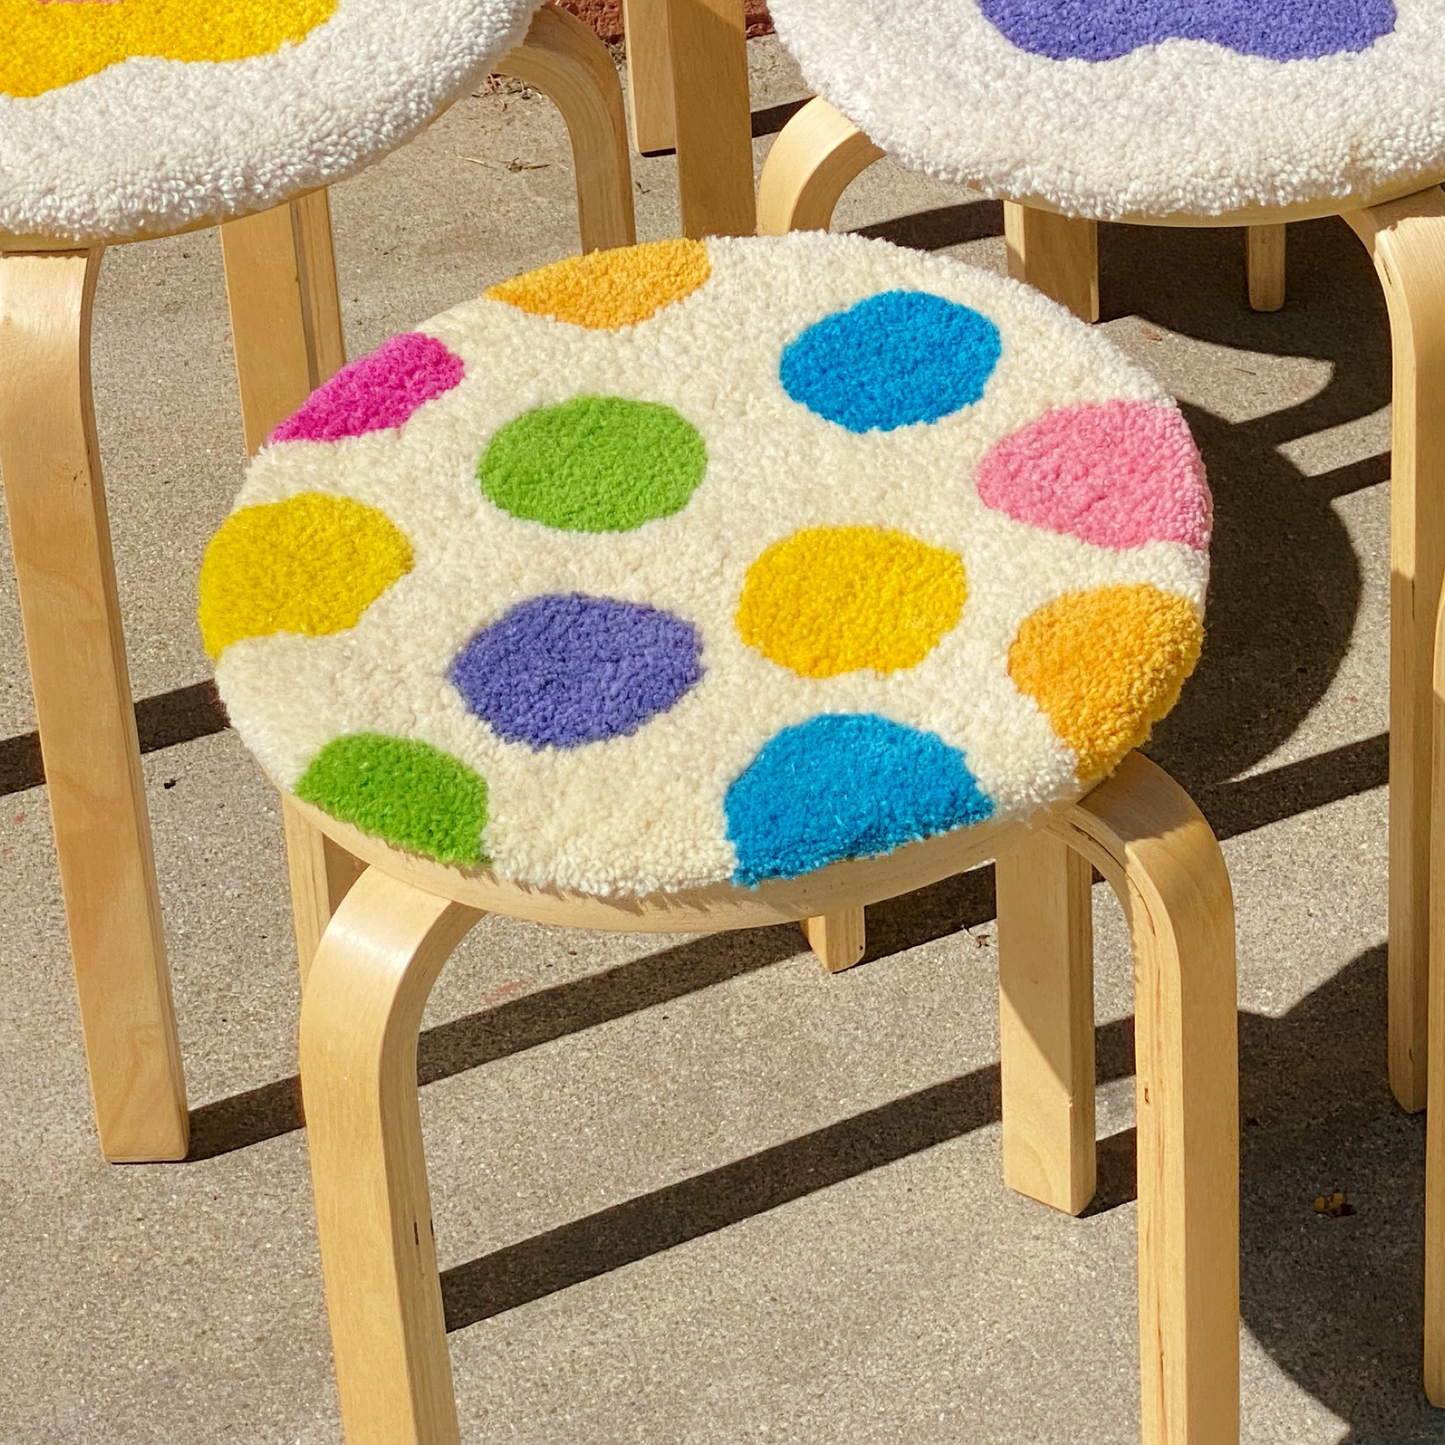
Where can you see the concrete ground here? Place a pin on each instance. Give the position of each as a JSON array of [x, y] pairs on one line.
[[700, 1192]]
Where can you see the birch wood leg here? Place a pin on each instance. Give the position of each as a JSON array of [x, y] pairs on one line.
[[708, 39], [285, 315], [321, 874], [1407, 241], [839, 939], [566, 61], [649, 75], [816, 157], [1265, 261], [1046, 1021], [1152, 844], [71, 613], [1435, 1111], [286, 325], [359, 1019], [1058, 255]]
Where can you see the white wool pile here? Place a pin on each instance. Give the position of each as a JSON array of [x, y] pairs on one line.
[[154, 145], [1181, 128]]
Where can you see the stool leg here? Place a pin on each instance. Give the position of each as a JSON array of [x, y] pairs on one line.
[[321, 874], [1435, 1111], [816, 157], [1265, 260], [360, 1014], [1146, 836], [286, 329], [566, 61], [1046, 1021], [649, 75], [1407, 240], [839, 939], [285, 310], [1058, 255], [65, 572], [713, 116]]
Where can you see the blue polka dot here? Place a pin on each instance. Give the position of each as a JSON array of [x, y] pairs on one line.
[[892, 360], [846, 785]]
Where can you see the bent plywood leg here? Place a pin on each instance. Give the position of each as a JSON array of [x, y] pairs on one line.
[[359, 1019], [321, 874], [839, 939], [68, 602], [566, 61], [285, 311], [1058, 255], [713, 116], [816, 157], [1149, 840], [1435, 1112], [1046, 1021], [649, 75], [286, 324], [1407, 241], [1265, 262]]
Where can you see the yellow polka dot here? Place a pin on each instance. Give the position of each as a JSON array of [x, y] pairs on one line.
[[50, 45], [1105, 666], [608, 290], [837, 599], [311, 565]]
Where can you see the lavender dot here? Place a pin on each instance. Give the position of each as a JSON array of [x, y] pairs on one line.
[[565, 670]]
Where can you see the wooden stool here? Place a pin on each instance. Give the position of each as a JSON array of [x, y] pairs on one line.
[[1163, 132], [690, 587], [249, 145]]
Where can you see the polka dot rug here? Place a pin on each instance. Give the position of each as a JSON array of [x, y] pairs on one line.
[[698, 562]]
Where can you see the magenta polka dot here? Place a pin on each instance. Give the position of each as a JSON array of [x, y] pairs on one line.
[[1119, 474], [376, 393]]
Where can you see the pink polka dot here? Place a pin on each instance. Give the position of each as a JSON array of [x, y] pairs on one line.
[[1118, 475], [377, 392]]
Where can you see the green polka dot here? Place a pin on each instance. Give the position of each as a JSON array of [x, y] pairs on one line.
[[594, 464], [406, 792]]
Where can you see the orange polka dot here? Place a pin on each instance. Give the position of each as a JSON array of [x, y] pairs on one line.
[[607, 290], [1105, 666]]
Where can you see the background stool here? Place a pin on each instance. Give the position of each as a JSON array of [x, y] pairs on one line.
[[282, 283], [1392, 201]]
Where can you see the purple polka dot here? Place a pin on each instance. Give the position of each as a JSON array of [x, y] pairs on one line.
[[1107, 29], [563, 671], [377, 392]]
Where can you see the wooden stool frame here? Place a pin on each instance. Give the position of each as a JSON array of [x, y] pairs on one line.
[[818, 155], [286, 319], [383, 949]]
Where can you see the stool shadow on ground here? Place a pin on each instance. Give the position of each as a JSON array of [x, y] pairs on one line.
[[1334, 1301], [1286, 583]]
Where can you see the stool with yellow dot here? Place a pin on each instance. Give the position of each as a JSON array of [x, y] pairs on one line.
[[701, 586], [131, 120]]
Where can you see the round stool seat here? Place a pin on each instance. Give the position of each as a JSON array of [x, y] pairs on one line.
[[126, 117], [692, 564], [1151, 108]]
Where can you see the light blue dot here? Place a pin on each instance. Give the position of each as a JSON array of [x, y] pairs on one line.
[[846, 785], [893, 360]]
